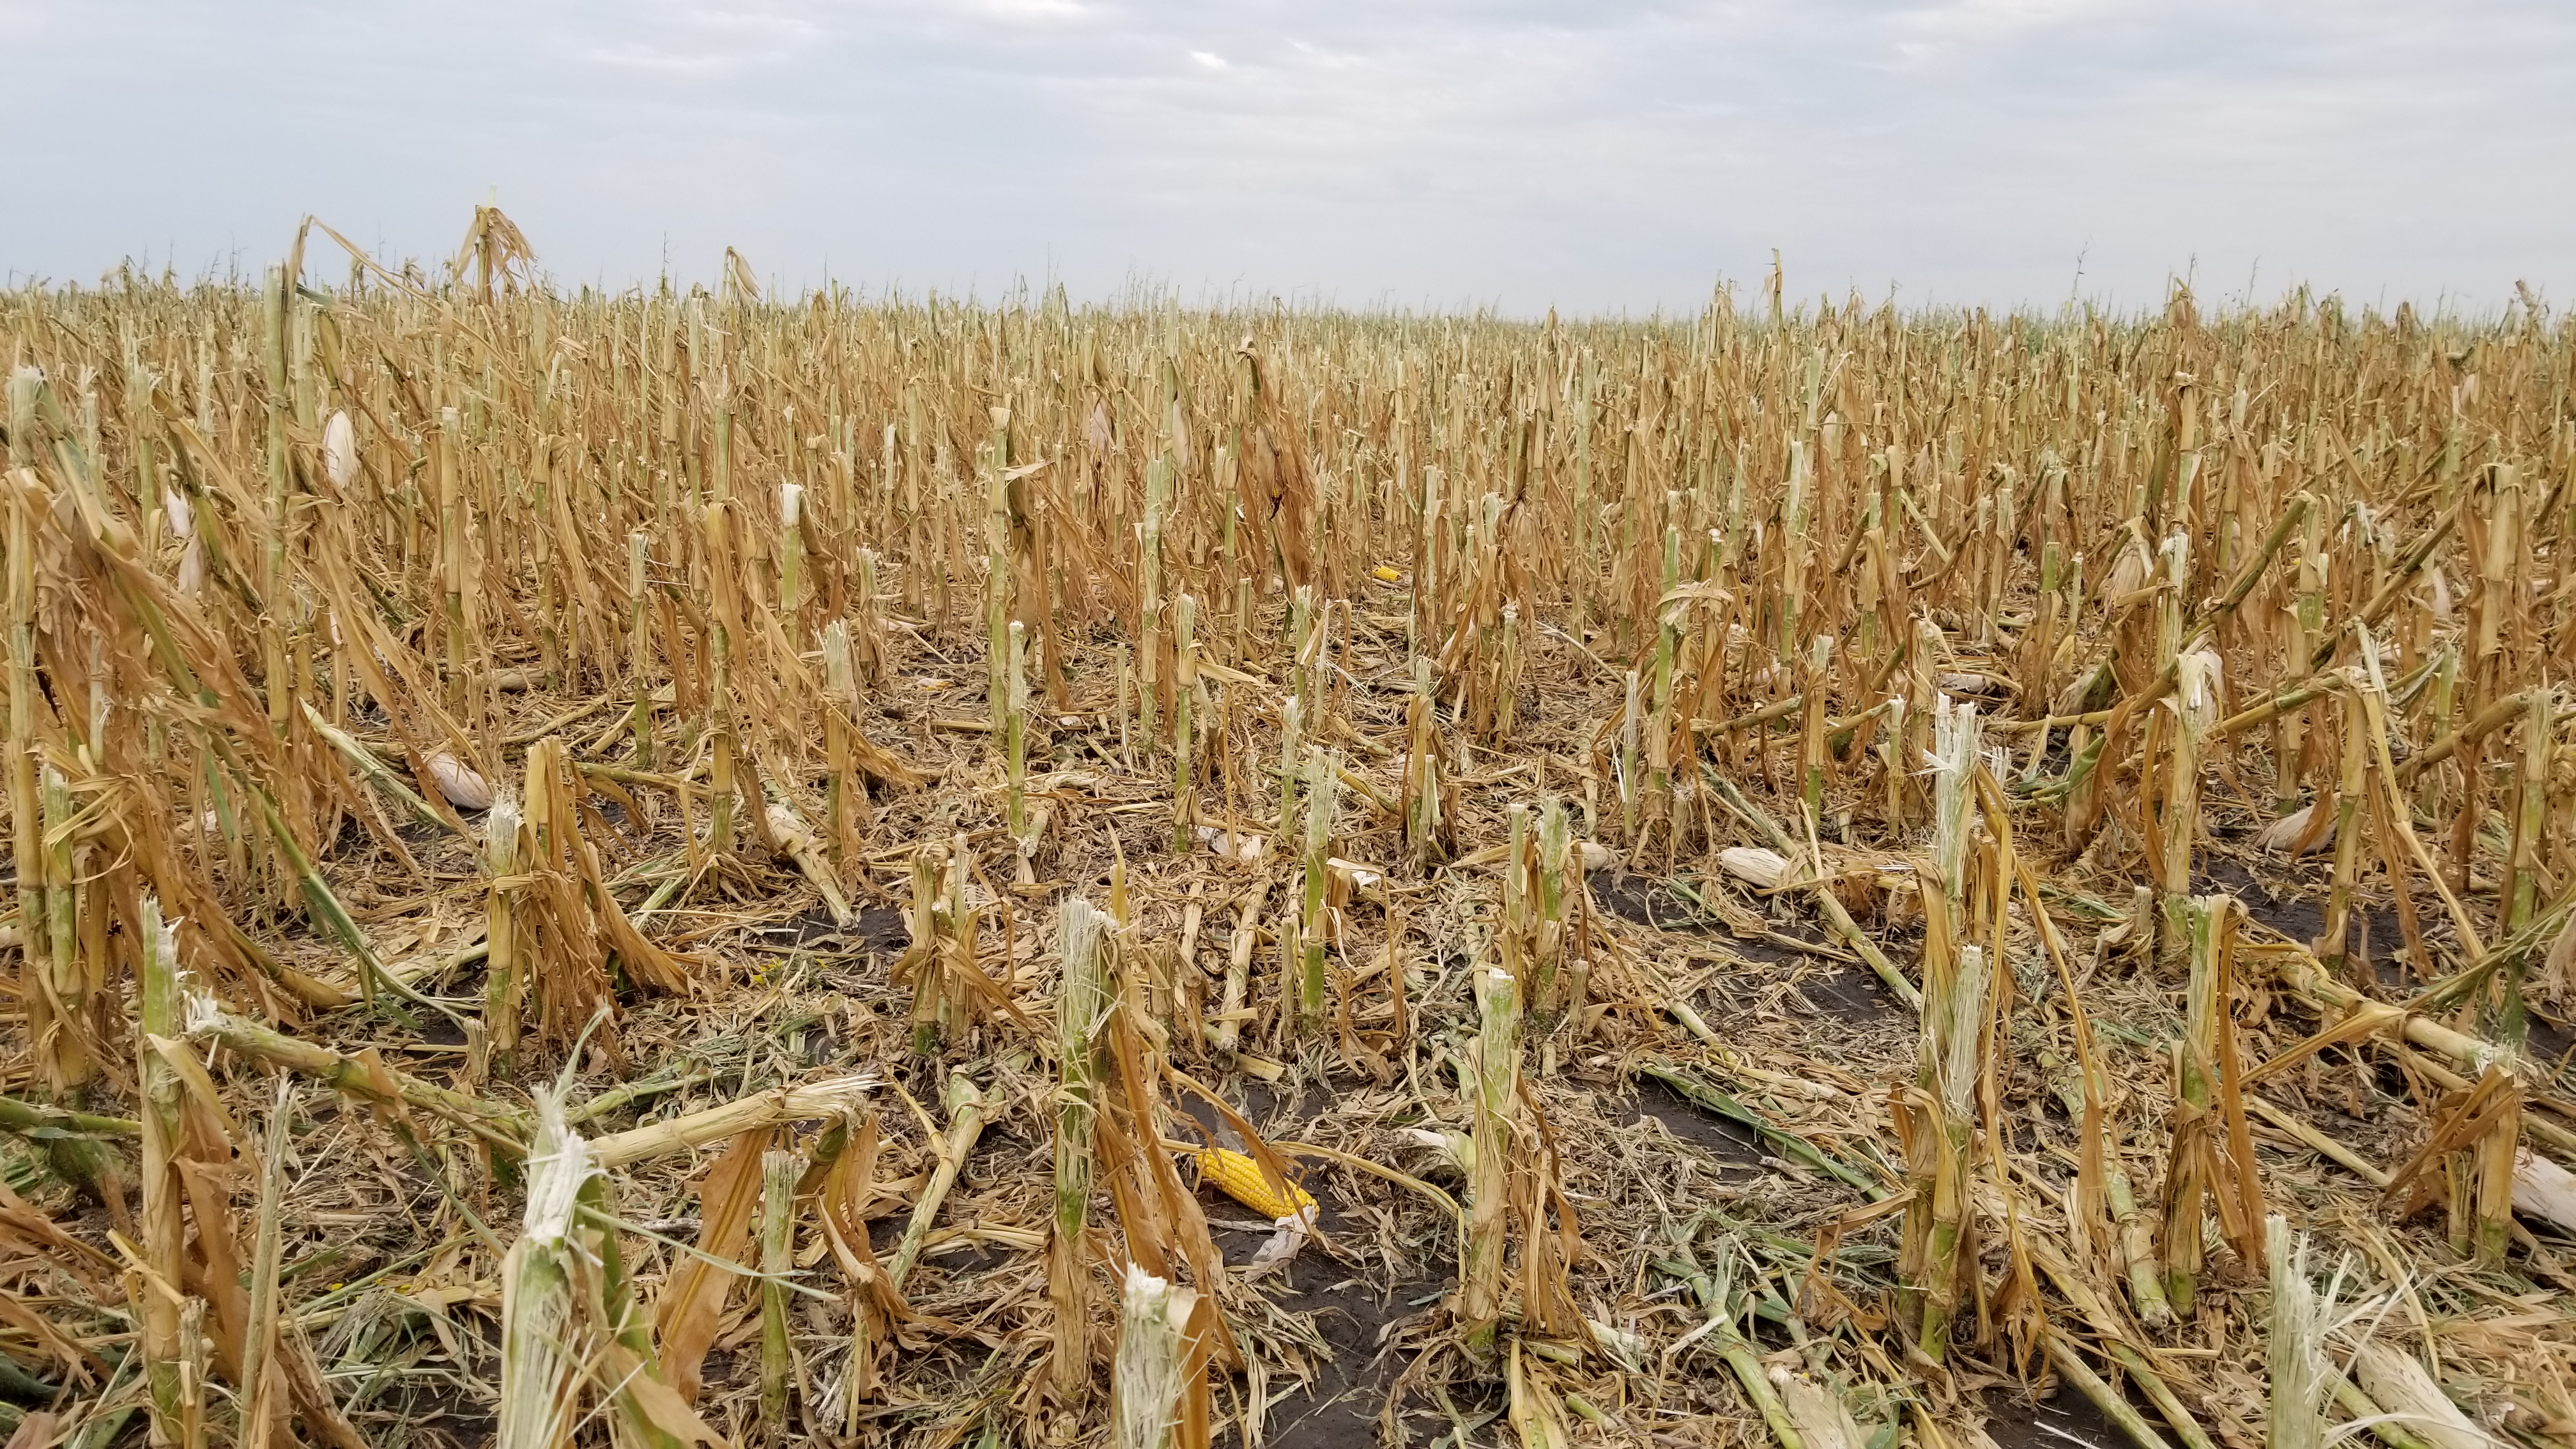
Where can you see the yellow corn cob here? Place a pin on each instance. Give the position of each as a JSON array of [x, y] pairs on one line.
[[1239, 1177]]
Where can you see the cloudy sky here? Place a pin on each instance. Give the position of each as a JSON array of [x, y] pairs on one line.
[[1616, 154]]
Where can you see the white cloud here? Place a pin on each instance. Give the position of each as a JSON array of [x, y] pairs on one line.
[[1612, 154], [673, 62], [1938, 29], [1045, 11]]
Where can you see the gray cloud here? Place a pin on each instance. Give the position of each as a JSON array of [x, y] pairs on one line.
[[1621, 154]]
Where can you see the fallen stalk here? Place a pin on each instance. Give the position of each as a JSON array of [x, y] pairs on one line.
[[1791, 1145], [506, 1129], [28, 1118], [1822, 893]]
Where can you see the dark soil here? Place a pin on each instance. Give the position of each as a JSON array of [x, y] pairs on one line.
[[1731, 1143], [1647, 901], [876, 928], [2296, 909], [2020, 1422], [1852, 994], [1339, 1410]]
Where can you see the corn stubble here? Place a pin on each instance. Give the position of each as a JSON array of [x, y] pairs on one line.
[[525, 711]]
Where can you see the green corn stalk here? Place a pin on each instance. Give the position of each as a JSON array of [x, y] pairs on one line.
[[1426, 573], [1916, 729], [2052, 601], [53, 949], [1518, 938], [791, 560], [1630, 726], [2137, 1242], [2173, 609], [1292, 748], [2308, 613], [2301, 1376], [503, 980], [1954, 797], [1126, 687], [1015, 733], [2440, 703], [2496, 565], [140, 384], [867, 622], [1820, 662], [272, 577], [1421, 771], [1318, 661], [1149, 565], [779, 1171], [2522, 879], [1793, 527], [1953, 1040], [1724, 1308], [321, 906], [162, 1010], [2006, 513], [1893, 767], [2336, 934], [1579, 566], [957, 923], [2186, 1179], [25, 793], [1301, 640], [966, 1106], [927, 957], [451, 547], [1494, 1062], [2504, 1015], [1229, 487], [839, 788], [26, 390], [2490, 1164], [720, 769], [1659, 726], [639, 633], [1082, 999], [1728, 548], [544, 1335], [1185, 683], [2195, 705], [1560, 875], [1151, 1372], [997, 567], [1321, 770]]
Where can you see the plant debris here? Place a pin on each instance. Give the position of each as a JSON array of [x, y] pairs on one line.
[[684, 867]]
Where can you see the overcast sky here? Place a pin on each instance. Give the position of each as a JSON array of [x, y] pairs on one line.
[[1618, 154]]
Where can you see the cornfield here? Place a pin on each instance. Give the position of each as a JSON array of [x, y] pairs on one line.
[[688, 866]]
